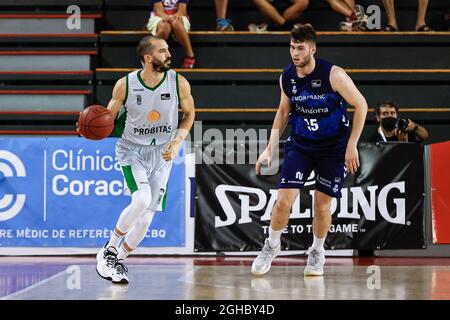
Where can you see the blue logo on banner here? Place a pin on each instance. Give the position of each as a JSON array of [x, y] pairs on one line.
[[68, 192]]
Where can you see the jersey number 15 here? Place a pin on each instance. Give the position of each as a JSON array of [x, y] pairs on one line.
[[312, 124]]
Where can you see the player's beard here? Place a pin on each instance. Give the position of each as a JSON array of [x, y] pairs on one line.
[[161, 66], [305, 62]]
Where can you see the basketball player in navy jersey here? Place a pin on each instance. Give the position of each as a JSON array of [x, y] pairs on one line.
[[314, 98]]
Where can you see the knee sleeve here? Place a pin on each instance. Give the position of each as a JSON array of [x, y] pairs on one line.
[[141, 199]]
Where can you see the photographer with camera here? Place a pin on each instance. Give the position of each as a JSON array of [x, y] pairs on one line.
[[393, 128]]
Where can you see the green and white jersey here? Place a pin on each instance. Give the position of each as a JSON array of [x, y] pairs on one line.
[[149, 116]]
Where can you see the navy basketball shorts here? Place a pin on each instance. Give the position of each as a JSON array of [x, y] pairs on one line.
[[329, 169]]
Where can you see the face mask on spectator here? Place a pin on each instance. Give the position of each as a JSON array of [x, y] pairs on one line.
[[388, 123]]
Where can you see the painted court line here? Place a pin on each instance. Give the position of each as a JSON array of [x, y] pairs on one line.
[[33, 286]]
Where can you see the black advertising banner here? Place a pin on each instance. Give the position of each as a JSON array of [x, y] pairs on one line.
[[382, 205]]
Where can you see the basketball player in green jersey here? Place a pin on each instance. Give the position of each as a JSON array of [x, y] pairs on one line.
[[145, 104]]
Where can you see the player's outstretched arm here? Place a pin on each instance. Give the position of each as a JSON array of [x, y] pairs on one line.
[[118, 96], [279, 124], [188, 109], [344, 85]]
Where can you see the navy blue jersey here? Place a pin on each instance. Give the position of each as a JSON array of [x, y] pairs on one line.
[[318, 113]]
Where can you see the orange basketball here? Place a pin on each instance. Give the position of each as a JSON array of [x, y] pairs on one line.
[[96, 122]]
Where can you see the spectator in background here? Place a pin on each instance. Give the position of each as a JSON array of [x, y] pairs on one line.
[[170, 17], [356, 20], [392, 128], [392, 25], [281, 21], [223, 24]]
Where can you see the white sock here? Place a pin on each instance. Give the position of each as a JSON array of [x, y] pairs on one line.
[[114, 240], [123, 253], [274, 237], [318, 244]]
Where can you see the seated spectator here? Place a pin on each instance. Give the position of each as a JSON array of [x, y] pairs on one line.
[[170, 16], [392, 128], [356, 20], [281, 21], [222, 23], [392, 20]]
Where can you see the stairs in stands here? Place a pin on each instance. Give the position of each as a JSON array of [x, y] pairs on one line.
[[34, 109], [41, 24], [47, 75], [49, 63], [46, 67]]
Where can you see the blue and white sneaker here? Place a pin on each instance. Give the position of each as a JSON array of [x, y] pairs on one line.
[[224, 25]]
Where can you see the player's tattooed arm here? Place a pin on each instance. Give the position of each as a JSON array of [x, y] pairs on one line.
[[118, 96]]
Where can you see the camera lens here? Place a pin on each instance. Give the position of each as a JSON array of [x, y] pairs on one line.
[[402, 124]]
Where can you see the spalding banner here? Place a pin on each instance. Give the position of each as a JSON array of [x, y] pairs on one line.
[[382, 205], [68, 192]]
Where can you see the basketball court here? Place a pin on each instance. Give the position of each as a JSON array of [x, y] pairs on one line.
[[226, 278]]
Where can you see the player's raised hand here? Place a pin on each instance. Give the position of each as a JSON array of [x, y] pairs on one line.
[[351, 158], [171, 150], [265, 156]]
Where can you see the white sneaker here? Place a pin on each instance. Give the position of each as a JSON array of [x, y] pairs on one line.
[[101, 253], [263, 261], [120, 273], [360, 24], [359, 12], [345, 26], [105, 267], [357, 25], [262, 27], [316, 261]]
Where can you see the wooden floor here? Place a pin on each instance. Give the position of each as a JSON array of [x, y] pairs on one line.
[[226, 278]]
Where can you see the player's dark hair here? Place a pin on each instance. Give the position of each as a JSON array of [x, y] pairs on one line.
[[145, 46], [303, 33], [387, 103]]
